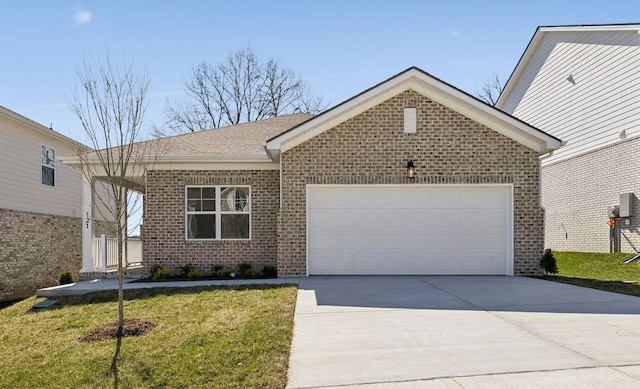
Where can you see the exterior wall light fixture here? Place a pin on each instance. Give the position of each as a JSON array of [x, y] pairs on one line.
[[411, 170]]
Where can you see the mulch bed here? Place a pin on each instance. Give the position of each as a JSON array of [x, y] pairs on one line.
[[131, 327]]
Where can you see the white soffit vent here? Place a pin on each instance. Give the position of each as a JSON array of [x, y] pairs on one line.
[[410, 119]]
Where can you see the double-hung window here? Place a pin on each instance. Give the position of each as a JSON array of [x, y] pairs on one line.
[[218, 212], [48, 165]]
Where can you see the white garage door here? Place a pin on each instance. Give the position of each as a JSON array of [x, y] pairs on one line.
[[409, 229]]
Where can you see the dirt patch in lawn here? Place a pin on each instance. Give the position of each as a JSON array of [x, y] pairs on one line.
[[131, 327]]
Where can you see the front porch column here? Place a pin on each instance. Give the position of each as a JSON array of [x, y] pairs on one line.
[[87, 226]]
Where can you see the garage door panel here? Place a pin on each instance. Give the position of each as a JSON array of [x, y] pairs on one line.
[[408, 229]]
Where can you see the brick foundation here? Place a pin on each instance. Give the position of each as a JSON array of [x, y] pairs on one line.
[[35, 249]]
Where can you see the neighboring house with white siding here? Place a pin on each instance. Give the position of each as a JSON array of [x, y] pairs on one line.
[[40, 207], [582, 84]]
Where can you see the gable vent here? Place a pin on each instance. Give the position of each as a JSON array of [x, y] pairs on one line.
[[410, 119]]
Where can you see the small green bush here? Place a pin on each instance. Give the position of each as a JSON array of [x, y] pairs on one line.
[[269, 271], [160, 273], [66, 278], [225, 272], [253, 273], [548, 262], [243, 268], [194, 274], [186, 269], [215, 268]]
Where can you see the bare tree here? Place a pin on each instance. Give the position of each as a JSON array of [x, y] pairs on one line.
[[491, 89], [110, 101], [241, 89]]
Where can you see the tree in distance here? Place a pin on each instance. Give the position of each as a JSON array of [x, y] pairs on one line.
[[491, 89], [240, 89]]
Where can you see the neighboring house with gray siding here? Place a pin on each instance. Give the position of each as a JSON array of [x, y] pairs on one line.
[[582, 84], [411, 176], [40, 207]]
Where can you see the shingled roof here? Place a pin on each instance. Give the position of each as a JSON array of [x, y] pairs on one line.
[[240, 140]]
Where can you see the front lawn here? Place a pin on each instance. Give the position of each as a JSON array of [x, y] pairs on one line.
[[203, 338], [598, 271]]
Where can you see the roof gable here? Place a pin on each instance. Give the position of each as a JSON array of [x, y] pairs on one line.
[[534, 44], [429, 86], [43, 131]]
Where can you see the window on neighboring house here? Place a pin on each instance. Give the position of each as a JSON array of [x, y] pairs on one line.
[[48, 166], [218, 212]]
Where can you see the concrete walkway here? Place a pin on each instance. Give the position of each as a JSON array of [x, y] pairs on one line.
[[84, 287], [462, 332]]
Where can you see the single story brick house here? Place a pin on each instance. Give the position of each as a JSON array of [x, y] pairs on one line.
[[411, 176]]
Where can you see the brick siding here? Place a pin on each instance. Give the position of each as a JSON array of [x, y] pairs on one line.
[[163, 232], [372, 148], [35, 249], [577, 192]]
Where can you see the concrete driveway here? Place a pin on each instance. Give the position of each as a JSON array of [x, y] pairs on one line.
[[462, 332]]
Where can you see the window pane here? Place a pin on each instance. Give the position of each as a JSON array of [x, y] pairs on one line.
[[201, 226], [208, 205], [235, 226], [193, 205], [208, 193], [193, 193], [235, 199], [242, 199], [48, 176]]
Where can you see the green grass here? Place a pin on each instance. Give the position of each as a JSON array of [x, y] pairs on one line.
[[598, 271], [205, 338], [8, 303]]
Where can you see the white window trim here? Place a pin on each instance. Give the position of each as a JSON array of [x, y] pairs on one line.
[[218, 212], [50, 167]]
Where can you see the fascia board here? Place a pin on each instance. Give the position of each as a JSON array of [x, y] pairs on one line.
[[434, 89], [520, 67], [535, 42], [194, 163], [341, 112], [488, 116], [16, 117]]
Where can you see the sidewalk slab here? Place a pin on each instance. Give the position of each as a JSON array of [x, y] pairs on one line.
[[84, 287]]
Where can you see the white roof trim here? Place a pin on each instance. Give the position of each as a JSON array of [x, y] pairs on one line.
[[195, 163], [428, 86], [40, 128], [535, 41]]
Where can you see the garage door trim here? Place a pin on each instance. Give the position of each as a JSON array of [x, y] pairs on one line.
[[510, 215]]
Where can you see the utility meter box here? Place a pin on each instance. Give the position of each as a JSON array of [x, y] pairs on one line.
[[626, 205], [613, 211]]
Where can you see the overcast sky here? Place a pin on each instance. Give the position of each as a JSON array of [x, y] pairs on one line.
[[340, 47]]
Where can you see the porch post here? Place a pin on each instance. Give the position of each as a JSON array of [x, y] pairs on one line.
[[87, 226]]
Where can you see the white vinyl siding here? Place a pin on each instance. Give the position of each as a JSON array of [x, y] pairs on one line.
[[604, 101], [21, 185]]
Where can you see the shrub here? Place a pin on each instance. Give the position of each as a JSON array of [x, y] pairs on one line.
[[225, 272], [194, 273], [253, 273], [548, 262], [269, 271], [160, 273], [215, 268], [186, 269], [66, 278], [243, 269]]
